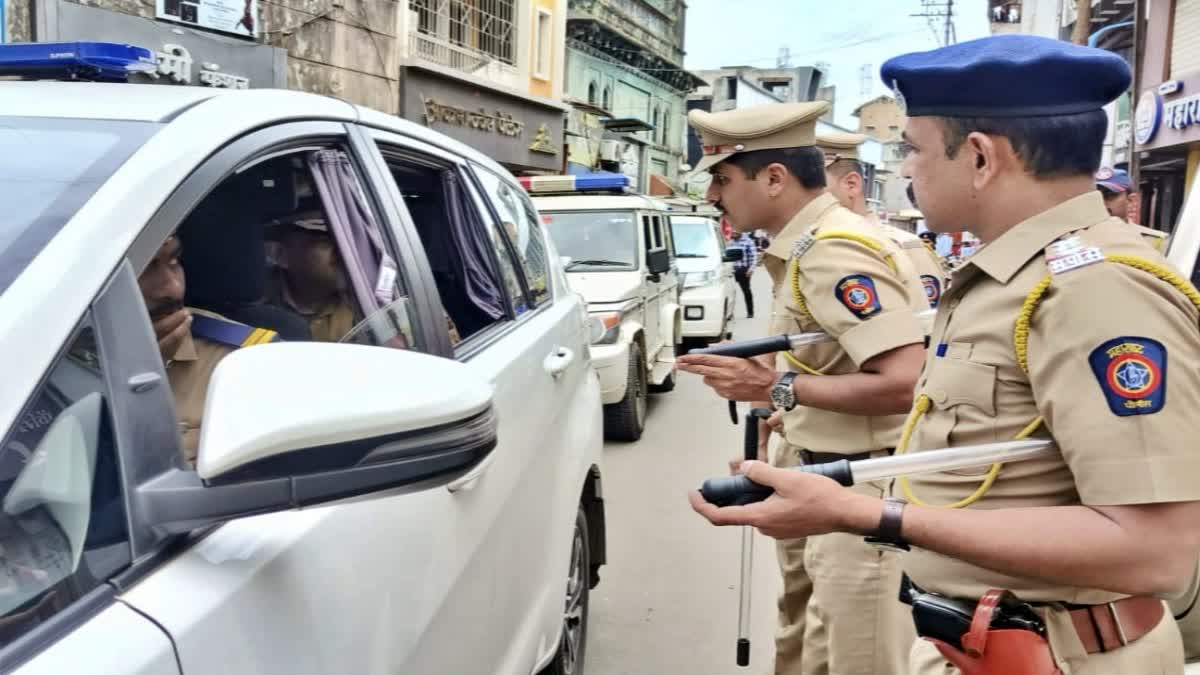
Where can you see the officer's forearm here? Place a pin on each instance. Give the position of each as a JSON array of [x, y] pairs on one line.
[[884, 385], [1142, 549]]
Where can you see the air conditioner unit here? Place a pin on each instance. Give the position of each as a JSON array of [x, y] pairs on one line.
[[610, 151]]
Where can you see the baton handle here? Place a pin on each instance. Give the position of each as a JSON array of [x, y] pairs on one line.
[[747, 348], [740, 490]]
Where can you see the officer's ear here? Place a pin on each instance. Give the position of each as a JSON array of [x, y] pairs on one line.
[[777, 176], [988, 154]]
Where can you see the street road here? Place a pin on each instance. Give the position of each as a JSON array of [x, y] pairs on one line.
[[668, 598]]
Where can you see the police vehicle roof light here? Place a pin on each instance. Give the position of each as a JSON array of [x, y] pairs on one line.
[[99, 61], [591, 182]]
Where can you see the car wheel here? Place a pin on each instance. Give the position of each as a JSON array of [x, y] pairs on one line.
[[625, 419], [573, 644]]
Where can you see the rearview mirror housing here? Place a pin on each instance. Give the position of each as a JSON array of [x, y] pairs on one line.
[[297, 424]]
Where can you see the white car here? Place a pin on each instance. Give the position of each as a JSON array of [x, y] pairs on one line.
[[620, 258], [426, 499], [708, 295]]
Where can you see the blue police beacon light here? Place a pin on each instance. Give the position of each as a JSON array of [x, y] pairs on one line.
[[96, 61]]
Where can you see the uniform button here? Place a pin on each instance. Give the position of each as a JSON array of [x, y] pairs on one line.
[[939, 396]]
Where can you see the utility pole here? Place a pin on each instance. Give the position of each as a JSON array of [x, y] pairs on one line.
[[940, 15]]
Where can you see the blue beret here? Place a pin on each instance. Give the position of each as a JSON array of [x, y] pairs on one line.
[[1006, 76]]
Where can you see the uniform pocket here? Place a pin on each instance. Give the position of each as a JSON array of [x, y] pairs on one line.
[[963, 398]]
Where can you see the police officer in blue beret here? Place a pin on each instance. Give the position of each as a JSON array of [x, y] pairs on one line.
[[1064, 325]]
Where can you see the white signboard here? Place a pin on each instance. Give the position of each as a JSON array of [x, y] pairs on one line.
[[239, 17]]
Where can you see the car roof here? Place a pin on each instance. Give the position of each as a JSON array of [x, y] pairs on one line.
[[586, 202], [163, 103]]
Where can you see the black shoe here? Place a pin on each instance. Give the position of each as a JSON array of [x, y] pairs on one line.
[[749, 316]]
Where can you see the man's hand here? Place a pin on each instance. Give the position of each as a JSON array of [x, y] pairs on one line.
[[731, 377], [170, 330], [775, 422], [803, 505]]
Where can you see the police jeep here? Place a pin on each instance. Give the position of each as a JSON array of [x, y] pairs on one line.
[[619, 255], [389, 504]]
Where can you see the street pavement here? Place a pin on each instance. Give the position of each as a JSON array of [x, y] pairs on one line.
[[668, 598]]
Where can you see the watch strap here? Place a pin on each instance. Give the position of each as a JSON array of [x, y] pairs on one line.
[[890, 521]]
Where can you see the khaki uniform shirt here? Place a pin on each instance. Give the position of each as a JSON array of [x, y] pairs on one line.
[[887, 323], [328, 323], [1156, 238], [189, 372], [1125, 429], [925, 261]]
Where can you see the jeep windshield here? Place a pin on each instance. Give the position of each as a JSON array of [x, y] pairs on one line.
[[48, 169], [594, 240], [695, 238]]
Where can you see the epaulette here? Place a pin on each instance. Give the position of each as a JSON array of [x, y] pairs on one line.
[[230, 333], [1069, 253], [803, 244]]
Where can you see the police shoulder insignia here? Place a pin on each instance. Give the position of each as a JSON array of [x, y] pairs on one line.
[[801, 246], [857, 292], [1069, 253], [933, 289], [1132, 372], [230, 333]]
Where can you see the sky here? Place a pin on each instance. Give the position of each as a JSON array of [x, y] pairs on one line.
[[846, 34]]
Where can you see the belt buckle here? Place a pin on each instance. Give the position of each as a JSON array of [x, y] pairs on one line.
[[1116, 617]]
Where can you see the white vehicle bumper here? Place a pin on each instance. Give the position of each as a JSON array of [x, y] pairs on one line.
[[612, 365], [703, 311]]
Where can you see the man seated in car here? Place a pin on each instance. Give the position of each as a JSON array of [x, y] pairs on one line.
[[191, 341], [309, 277]]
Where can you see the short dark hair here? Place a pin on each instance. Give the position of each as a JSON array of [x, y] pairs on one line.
[[1051, 146], [842, 166], [807, 164]]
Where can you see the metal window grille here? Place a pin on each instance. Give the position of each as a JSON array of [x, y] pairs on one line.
[[483, 26]]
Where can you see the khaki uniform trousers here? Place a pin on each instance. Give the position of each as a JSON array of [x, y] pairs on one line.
[[1159, 652], [854, 623], [791, 648]]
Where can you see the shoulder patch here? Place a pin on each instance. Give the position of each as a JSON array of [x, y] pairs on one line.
[[857, 292], [933, 289], [1069, 254], [230, 333], [1132, 372]]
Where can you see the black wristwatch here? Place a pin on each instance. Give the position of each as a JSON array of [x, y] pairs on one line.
[[783, 396], [887, 535]]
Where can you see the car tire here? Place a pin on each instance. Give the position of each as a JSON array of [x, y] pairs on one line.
[[572, 646], [625, 419]]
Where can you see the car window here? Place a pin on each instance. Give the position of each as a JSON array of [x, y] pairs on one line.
[[74, 158], [62, 519], [281, 250], [519, 220], [452, 232], [695, 238], [594, 241], [505, 253]]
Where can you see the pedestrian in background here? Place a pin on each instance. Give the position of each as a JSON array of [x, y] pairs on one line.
[[744, 268]]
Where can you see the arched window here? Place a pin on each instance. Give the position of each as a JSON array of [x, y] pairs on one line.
[[666, 127], [657, 122], [592, 93], [607, 100]]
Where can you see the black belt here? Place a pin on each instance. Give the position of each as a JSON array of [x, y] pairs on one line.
[[811, 457]]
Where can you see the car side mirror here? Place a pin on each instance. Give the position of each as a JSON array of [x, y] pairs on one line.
[[290, 425], [733, 255], [658, 262]]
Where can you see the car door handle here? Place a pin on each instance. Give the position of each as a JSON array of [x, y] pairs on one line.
[[471, 478], [558, 361]]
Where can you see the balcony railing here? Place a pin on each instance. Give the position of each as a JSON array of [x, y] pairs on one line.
[[444, 53]]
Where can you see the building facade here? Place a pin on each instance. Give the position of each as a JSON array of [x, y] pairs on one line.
[[486, 72], [626, 84]]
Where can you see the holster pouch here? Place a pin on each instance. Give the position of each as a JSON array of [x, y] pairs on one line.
[[983, 649]]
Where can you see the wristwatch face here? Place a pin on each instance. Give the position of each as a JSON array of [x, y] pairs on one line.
[[782, 396]]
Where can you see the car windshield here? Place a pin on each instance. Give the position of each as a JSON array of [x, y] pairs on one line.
[[695, 238], [48, 169], [594, 240]]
